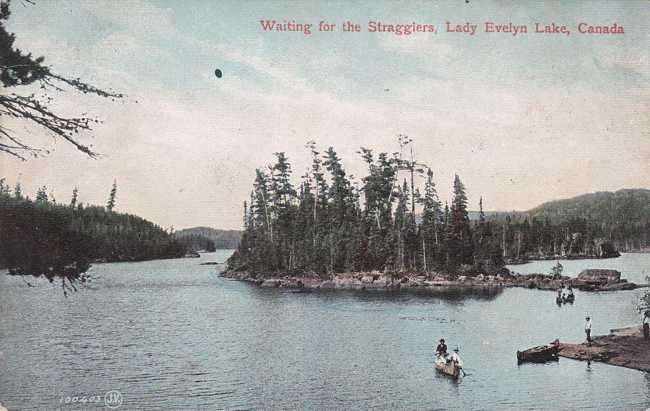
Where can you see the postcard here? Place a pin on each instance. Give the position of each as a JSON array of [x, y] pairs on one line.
[[324, 204]]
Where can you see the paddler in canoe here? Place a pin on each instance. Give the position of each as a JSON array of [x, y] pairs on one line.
[[451, 365], [441, 349]]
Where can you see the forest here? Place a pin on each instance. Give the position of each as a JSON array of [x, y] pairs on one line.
[[331, 223], [196, 242], [393, 221], [43, 237]]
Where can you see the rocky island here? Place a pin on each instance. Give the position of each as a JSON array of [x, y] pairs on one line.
[[587, 280]]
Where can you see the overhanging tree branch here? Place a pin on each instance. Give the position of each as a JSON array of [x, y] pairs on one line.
[[21, 69]]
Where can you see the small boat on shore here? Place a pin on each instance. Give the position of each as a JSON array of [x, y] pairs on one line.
[[449, 369], [541, 353]]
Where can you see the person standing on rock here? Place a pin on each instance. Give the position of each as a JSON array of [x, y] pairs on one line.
[[646, 325], [588, 329]]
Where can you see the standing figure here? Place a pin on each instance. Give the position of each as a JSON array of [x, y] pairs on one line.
[[646, 325], [588, 329]]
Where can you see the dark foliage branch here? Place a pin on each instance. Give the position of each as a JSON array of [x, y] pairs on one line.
[[19, 69]]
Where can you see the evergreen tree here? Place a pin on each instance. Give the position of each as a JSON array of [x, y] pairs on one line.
[[111, 198], [431, 224], [19, 70], [73, 200], [41, 195], [460, 242], [18, 191]]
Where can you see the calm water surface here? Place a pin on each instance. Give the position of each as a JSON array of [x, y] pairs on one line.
[[172, 334]]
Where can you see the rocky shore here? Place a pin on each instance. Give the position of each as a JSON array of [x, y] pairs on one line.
[[588, 280], [624, 347]]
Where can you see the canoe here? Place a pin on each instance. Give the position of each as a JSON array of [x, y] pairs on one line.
[[541, 353], [448, 369]]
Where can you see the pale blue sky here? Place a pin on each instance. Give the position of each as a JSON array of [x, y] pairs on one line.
[[523, 119]]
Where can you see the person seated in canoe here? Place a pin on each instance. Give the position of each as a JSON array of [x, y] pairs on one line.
[[455, 358], [441, 349], [570, 291]]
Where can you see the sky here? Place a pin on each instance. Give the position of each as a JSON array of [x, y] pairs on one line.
[[521, 119]]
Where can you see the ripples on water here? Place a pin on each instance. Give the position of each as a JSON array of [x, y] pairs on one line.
[[172, 334]]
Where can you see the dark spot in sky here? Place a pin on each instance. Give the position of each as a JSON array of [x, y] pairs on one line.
[[218, 73]]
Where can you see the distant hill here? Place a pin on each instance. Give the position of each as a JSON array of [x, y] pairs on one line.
[[222, 239], [631, 206], [621, 217]]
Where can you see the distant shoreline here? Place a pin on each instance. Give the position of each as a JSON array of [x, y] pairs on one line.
[[526, 260]]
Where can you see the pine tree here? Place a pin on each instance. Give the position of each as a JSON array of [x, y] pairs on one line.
[[431, 223], [111, 198], [460, 242], [401, 218], [73, 201], [22, 71], [18, 191], [41, 195]]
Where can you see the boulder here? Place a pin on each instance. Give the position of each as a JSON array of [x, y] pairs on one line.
[[347, 283], [272, 283], [599, 276], [328, 284], [378, 284], [619, 286]]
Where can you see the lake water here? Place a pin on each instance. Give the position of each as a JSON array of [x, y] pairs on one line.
[[172, 334]]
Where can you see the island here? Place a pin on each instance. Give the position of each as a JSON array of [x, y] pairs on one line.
[[389, 230], [588, 280]]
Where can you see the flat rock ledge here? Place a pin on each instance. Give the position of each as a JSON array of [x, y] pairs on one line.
[[624, 347], [381, 281]]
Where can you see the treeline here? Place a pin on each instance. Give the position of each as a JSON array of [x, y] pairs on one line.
[[196, 242], [331, 223], [222, 239], [590, 225], [42, 236], [524, 238]]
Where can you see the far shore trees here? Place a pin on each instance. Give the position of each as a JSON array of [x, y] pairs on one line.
[[60, 241]]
